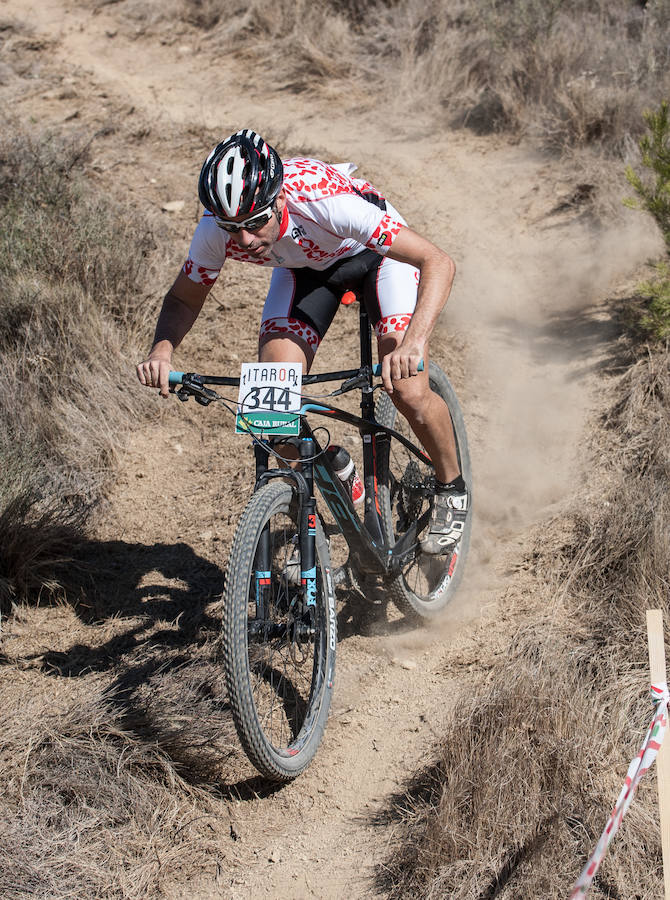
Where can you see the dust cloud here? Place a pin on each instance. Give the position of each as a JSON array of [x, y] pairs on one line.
[[538, 334], [540, 331]]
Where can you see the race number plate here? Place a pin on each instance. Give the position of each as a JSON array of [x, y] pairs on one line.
[[269, 400]]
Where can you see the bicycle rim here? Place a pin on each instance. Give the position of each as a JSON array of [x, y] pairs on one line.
[[279, 654]]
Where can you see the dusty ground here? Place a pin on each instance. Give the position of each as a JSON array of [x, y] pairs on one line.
[[522, 340]]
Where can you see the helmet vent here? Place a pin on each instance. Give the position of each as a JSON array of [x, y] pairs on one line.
[[241, 173]]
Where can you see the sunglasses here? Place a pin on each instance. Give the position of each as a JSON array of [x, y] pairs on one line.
[[252, 224]]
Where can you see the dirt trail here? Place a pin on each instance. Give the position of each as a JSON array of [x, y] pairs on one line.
[[520, 339]]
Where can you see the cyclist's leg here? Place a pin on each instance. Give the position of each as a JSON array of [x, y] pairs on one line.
[[390, 298], [426, 412], [296, 315], [297, 312]]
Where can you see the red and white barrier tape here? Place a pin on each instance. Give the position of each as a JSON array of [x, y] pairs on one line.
[[642, 762]]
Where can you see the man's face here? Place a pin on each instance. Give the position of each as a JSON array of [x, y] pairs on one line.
[[258, 243]]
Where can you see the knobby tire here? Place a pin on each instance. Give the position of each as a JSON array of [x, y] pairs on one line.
[[279, 685]]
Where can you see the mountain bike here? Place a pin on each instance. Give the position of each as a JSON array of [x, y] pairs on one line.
[[279, 632]]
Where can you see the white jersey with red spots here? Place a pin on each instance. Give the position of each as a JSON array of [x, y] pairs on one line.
[[325, 219]]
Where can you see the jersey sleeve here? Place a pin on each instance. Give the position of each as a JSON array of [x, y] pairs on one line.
[[348, 215], [385, 233], [207, 252]]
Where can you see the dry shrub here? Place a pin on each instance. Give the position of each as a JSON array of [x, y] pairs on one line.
[[620, 558], [532, 762], [565, 73], [38, 537], [504, 809], [89, 810], [183, 707], [70, 313], [568, 73]]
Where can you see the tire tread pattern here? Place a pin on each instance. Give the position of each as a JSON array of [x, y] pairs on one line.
[[268, 500]]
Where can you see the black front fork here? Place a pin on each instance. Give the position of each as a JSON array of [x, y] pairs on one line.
[[306, 528], [263, 561], [308, 525]]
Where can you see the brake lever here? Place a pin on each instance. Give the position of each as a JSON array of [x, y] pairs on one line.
[[192, 386], [206, 397]]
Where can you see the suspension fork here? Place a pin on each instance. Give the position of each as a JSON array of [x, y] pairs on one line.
[[308, 525], [304, 480], [263, 562]]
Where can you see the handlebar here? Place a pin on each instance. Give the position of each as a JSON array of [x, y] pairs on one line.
[[177, 378]]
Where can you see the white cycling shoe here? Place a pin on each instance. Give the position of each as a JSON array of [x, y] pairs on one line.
[[447, 521]]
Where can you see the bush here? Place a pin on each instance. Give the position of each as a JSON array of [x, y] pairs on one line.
[[653, 195], [654, 320]]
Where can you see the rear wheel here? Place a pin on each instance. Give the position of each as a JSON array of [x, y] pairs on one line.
[[279, 651], [425, 583]]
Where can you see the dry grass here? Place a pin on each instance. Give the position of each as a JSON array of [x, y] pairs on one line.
[[109, 797], [508, 805], [532, 762], [38, 536], [70, 313], [183, 707], [106, 786], [95, 810], [566, 73]]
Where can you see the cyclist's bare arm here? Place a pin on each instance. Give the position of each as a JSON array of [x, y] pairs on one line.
[[181, 307], [437, 275]]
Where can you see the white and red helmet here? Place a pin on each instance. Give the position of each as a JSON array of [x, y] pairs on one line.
[[241, 175]]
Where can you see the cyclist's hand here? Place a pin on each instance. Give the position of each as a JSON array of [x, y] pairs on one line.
[[400, 363], [155, 372]]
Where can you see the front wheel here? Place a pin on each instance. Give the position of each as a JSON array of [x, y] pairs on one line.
[[279, 648], [425, 583]]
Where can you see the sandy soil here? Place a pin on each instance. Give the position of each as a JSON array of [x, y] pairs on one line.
[[522, 339]]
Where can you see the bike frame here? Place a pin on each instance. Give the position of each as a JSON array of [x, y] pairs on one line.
[[369, 552]]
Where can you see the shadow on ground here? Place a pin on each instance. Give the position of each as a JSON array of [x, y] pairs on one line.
[[149, 635], [587, 337], [160, 590]]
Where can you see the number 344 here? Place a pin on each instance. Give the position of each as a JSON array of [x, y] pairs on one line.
[[268, 398]]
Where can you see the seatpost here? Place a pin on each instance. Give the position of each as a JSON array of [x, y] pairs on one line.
[[367, 404], [365, 336]]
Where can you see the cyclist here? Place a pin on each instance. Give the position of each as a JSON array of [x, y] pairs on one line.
[[323, 233]]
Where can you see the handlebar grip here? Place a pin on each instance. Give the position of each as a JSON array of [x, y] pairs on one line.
[[175, 378], [377, 370]]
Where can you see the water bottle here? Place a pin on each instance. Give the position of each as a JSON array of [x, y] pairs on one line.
[[346, 472]]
